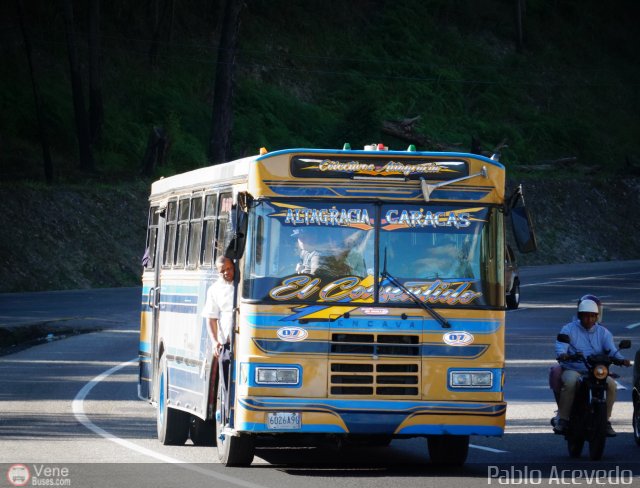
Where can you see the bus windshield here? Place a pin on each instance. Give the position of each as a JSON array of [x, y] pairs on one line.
[[326, 252]]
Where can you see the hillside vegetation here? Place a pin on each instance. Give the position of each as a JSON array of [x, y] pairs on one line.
[[321, 73]]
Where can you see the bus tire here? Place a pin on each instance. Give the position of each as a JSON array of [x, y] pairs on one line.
[[202, 432], [448, 450], [513, 298], [172, 425], [233, 451]]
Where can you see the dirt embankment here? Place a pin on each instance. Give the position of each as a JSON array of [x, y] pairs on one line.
[[583, 220], [66, 237]]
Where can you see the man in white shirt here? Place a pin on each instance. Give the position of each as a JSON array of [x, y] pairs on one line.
[[218, 310]]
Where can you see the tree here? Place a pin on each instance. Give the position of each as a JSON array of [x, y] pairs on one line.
[[520, 12], [222, 115], [46, 154], [82, 128], [96, 108]]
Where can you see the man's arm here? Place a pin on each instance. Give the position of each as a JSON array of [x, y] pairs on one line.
[[213, 327], [610, 345]]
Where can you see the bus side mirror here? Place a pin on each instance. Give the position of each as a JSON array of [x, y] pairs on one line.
[[523, 230], [521, 222], [238, 219]]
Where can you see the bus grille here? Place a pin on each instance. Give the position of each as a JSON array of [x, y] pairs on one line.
[[380, 379], [376, 345]]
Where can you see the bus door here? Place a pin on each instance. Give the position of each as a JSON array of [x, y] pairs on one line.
[[154, 301]]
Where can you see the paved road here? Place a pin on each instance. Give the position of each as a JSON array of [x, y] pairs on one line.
[[74, 401]]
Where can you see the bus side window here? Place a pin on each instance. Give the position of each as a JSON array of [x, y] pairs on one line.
[[195, 231], [152, 236], [210, 214], [170, 239], [224, 235], [183, 231]]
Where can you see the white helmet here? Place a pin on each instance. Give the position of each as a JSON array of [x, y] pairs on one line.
[[588, 306], [598, 302]]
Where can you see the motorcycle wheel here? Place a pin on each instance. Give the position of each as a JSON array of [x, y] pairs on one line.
[[596, 447], [575, 446], [599, 432], [636, 422]]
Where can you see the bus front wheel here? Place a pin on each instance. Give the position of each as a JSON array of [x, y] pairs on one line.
[[233, 451], [172, 425], [448, 450]]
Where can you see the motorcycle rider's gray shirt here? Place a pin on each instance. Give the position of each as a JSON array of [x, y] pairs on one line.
[[597, 340]]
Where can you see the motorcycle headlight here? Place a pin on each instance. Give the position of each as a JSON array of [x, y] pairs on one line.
[[600, 371]]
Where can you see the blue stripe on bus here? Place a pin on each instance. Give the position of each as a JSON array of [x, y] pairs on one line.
[[440, 429], [377, 324], [446, 351], [311, 191], [277, 346]]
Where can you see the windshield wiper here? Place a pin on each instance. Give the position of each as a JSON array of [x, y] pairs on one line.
[[385, 274]]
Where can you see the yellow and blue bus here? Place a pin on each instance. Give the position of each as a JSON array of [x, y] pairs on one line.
[[369, 299]]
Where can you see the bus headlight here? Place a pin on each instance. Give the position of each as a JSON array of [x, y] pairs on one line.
[[277, 376], [470, 379]]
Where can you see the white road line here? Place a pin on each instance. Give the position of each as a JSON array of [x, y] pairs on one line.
[[77, 407], [554, 282], [78, 410], [633, 326], [490, 449]]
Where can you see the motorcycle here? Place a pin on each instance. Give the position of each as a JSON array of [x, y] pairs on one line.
[[635, 420], [588, 420]]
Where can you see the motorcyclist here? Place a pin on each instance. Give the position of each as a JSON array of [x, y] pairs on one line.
[[587, 337]]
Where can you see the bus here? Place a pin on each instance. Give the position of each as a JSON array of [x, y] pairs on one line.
[[369, 300]]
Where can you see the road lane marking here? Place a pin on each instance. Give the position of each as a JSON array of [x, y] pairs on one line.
[[490, 449], [77, 407], [564, 280]]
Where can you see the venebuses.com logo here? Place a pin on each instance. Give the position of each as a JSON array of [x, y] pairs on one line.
[[18, 475], [38, 475]]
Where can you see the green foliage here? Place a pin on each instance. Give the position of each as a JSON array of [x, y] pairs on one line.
[[321, 73]]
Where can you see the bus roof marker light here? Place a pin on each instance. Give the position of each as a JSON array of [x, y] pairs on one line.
[[346, 147], [263, 151]]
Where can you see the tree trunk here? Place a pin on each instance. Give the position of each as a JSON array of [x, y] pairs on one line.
[[157, 29], [46, 154], [96, 107], [82, 128], [222, 115], [520, 10]]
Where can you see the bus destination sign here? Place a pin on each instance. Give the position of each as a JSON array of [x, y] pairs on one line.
[[406, 168]]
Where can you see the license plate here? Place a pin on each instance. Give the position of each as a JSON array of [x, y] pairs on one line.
[[284, 421]]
